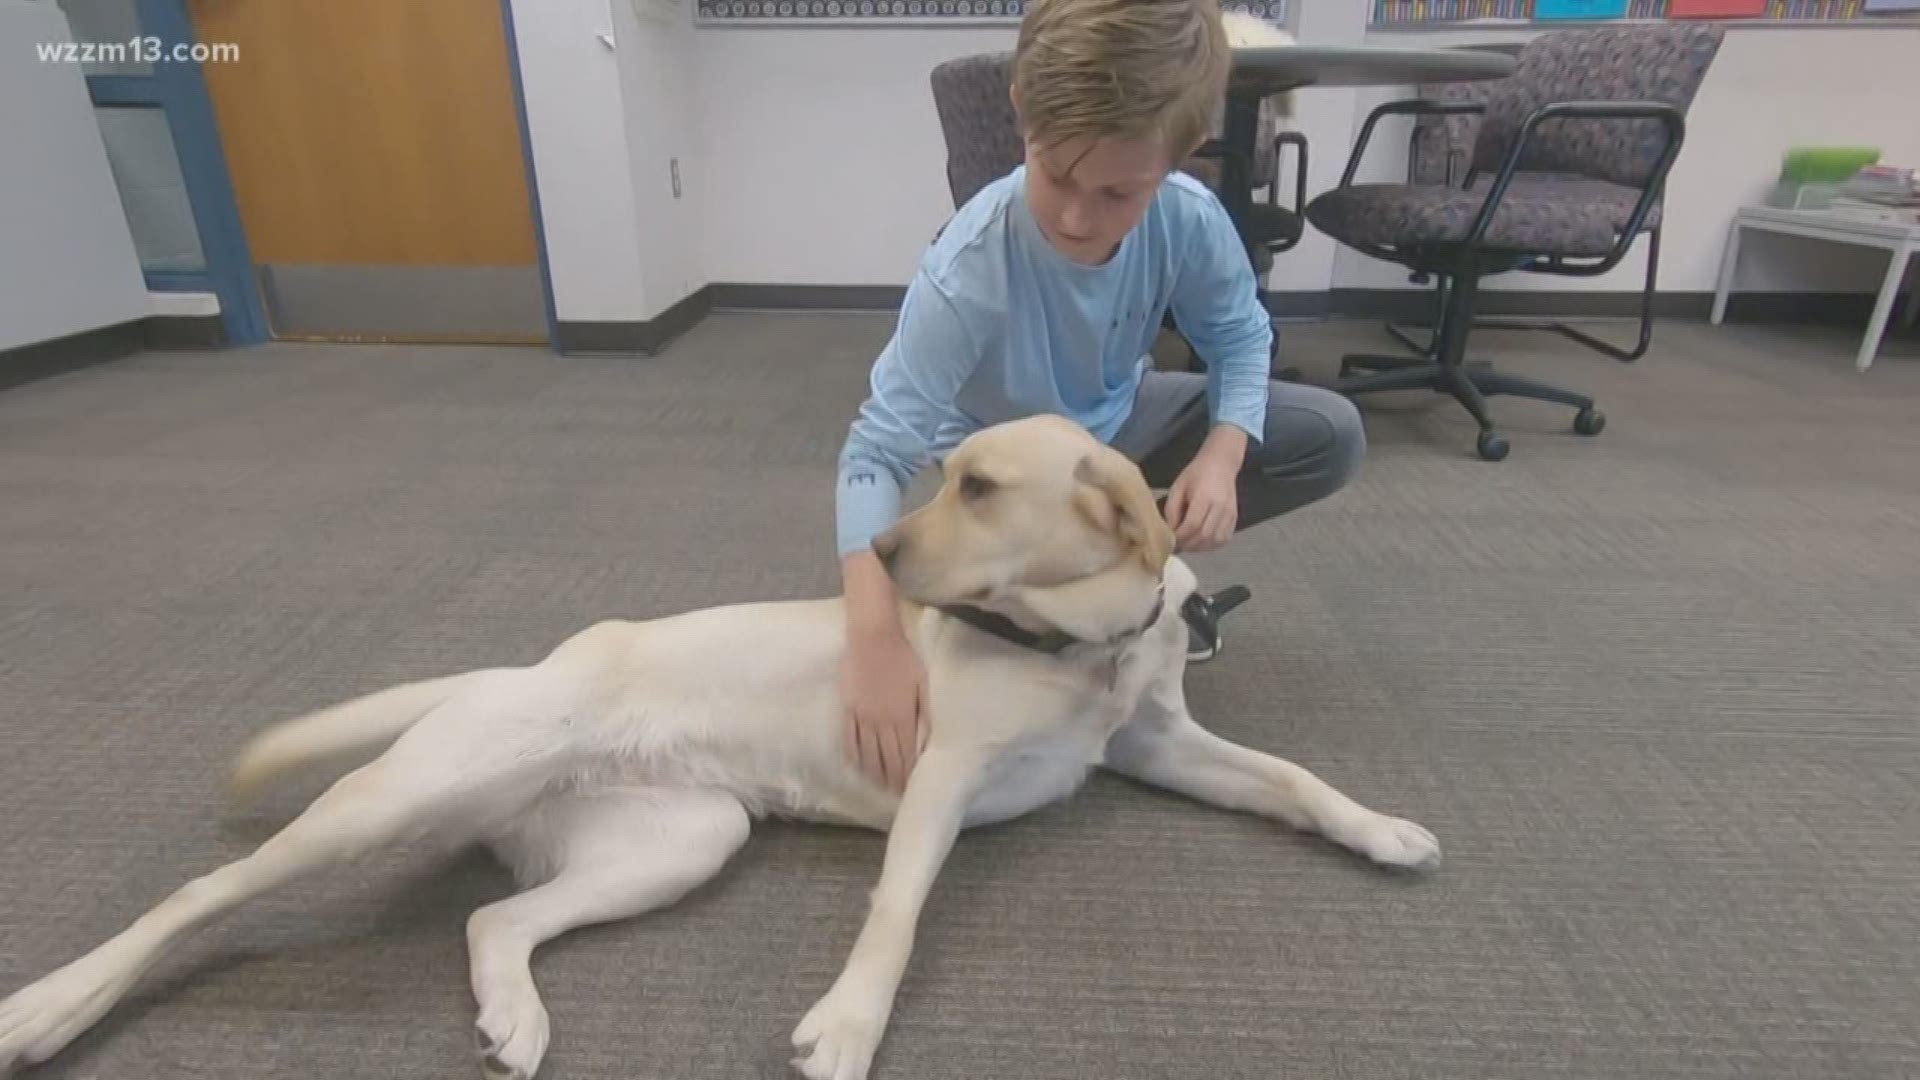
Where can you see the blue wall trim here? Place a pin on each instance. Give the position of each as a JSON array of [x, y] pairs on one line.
[[180, 92], [533, 179], [125, 90], [209, 188], [180, 281]]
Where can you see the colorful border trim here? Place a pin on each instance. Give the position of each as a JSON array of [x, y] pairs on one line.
[[1417, 13], [881, 12]]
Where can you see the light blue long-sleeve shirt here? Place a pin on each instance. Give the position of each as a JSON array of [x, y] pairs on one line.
[[998, 325]]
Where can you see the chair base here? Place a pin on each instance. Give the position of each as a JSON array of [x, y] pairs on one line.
[[1622, 353], [1370, 362], [1470, 386]]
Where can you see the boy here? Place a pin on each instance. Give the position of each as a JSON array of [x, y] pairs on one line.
[[1044, 293]]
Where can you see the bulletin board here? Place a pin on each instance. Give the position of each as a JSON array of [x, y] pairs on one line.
[[842, 13], [1440, 14]]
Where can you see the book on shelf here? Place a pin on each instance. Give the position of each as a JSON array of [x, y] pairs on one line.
[[1884, 185], [1716, 9]]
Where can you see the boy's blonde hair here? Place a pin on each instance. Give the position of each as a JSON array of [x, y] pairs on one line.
[[1121, 69]]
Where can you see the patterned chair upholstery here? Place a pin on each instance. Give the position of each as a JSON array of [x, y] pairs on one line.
[[976, 116], [1555, 169], [1441, 147], [1569, 216], [1581, 179]]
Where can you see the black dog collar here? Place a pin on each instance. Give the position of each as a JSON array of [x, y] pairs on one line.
[[1051, 642]]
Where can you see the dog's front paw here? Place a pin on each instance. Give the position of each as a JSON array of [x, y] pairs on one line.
[[39, 1021], [511, 1034], [837, 1038], [1392, 841]]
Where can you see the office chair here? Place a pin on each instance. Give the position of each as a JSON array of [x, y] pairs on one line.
[[1437, 152], [1600, 110]]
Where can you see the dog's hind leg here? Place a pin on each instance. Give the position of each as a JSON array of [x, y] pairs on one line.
[[443, 773], [619, 852]]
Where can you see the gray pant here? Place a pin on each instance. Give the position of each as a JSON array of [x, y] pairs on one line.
[[1313, 443]]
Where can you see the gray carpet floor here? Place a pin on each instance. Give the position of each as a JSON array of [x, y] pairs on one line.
[[1656, 692]]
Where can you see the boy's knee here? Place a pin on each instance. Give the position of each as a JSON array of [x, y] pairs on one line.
[[1315, 433], [1315, 442], [1349, 439]]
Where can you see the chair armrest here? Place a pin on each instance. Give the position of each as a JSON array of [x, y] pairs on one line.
[[1299, 142], [1408, 107], [1669, 117]]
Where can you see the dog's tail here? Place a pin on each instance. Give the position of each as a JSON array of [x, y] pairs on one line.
[[362, 724]]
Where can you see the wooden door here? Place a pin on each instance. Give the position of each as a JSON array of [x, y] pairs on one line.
[[376, 158]]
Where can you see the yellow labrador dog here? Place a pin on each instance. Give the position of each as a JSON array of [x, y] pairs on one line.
[[625, 768]]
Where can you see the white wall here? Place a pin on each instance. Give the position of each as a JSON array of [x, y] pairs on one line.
[[822, 161], [655, 53], [822, 158], [608, 87], [67, 260], [1325, 117], [577, 124], [1769, 90]]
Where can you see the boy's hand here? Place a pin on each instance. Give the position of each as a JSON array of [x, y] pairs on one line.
[[883, 684], [1203, 505], [884, 687]]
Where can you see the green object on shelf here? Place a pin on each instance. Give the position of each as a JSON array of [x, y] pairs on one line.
[[1810, 175], [1806, 164]]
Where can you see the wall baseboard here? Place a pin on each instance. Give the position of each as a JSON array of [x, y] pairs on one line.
[[740, 296], [177, 332], [45, 359], [1409, 305], [1417, 305], [644, 337], [650, 336]]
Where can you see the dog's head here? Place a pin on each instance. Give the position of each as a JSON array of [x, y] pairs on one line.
[[1035, 517]]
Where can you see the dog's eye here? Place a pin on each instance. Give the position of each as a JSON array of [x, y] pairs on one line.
[[974, 486]]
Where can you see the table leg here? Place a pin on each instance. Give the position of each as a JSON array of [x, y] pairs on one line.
[[1889, 288], [1240, 130], [1912, 315], [1729, 262]]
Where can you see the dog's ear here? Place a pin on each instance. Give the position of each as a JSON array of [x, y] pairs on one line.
[[1110, 472]]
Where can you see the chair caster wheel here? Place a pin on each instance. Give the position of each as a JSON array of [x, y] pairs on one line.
[[1590, 421], [1492, 447]]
